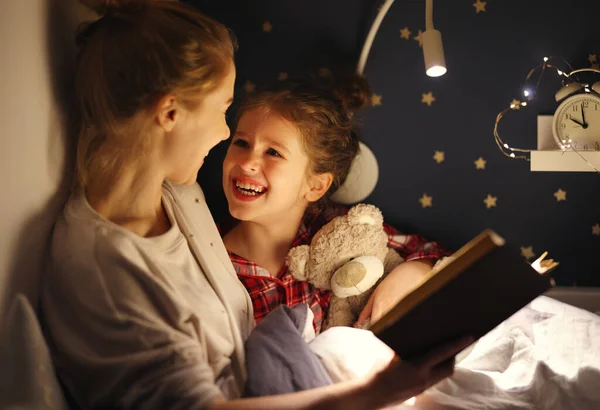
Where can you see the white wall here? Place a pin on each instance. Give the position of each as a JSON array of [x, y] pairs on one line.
[[36, 61]]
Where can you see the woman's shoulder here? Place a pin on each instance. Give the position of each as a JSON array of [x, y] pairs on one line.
[[82, 239]]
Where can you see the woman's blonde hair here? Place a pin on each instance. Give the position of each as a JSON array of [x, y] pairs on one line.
[[138, 52]]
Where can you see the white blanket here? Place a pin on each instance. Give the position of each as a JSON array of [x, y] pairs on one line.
[[546, 356]]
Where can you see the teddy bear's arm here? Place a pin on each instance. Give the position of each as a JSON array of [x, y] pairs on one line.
[[296, 261]]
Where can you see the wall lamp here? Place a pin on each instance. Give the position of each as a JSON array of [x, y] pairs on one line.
[[364, 172], [433, 50]]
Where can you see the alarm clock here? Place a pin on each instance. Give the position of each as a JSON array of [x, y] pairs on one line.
[[576, 121]]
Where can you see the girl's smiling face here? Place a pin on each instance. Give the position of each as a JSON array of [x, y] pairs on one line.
[[266, 169]]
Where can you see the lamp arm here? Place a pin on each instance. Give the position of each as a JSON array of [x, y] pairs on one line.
[[432, 41], [429, 15], [364, 54]]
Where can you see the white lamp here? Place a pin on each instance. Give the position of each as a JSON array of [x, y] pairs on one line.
[[364, 172], [433, 50]]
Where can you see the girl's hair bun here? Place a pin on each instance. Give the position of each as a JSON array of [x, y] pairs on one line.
[[353, 91], [125, 6]]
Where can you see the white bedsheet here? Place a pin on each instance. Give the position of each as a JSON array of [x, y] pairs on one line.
[[546, 356]]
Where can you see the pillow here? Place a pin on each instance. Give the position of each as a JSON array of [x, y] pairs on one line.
[[278, 358], [348, 353], [27, 378]]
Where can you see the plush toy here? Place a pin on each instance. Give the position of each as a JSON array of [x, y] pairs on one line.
[[349, 255]]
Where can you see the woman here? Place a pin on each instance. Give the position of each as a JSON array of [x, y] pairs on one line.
[[141, 306]]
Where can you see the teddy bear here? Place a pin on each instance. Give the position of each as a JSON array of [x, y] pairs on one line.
[[349, 256]]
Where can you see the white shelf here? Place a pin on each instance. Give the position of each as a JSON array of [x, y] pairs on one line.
[[549, 157], [568, 161]]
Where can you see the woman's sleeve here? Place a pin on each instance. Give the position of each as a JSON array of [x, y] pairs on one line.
[[118, 341], [413, 247]]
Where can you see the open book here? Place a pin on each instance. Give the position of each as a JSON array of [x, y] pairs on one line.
[[469, 293]]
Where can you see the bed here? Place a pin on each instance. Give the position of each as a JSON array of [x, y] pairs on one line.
[[546, 356]]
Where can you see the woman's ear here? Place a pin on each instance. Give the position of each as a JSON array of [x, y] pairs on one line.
[[318, 184], [167, 112]]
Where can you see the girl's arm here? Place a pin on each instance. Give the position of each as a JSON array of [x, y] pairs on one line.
[[419, 255], [396, 285]]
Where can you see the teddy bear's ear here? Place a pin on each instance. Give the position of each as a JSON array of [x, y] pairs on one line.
[[365, 214], [296, 261]]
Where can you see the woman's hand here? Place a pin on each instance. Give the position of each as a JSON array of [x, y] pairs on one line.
[[401, 381], [393, 288]]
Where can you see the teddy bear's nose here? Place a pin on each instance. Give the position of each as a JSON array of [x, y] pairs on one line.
[[351, 274], [356, 276]]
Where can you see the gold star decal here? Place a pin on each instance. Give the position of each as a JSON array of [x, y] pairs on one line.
[[438, 157], [282, 76], [267, 27], [490, 201], [596, 230], [405, 33], [427, 98], [249, 87], [527, 252], [479, 6], [560, 195], [480, 163], [426, 201], [419, 38], [324, 72], [592, 58], [375, 100], [515, 104]]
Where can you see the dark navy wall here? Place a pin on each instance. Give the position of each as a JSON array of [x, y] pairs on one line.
[[488, 55]]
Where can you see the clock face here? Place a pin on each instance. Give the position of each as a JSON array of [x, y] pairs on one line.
[[577, 122]]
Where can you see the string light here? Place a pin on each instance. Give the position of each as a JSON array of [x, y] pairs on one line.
[[529, 94]]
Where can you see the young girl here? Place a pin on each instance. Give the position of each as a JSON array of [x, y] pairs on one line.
[[293, 146]]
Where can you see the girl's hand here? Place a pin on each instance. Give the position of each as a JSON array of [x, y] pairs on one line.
[[399, 282], [400, 381]]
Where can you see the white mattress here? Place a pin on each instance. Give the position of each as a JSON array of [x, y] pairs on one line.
[[546, 356]]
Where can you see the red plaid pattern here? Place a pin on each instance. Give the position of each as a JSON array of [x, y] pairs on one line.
[[268, 292]]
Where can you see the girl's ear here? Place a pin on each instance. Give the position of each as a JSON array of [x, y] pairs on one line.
[[167, 112], [318, 184]]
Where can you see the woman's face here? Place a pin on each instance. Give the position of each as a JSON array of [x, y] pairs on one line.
[[197, 131], [265, 170]]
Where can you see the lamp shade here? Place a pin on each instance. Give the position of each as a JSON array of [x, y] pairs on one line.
[[361, 180], [433, 52]]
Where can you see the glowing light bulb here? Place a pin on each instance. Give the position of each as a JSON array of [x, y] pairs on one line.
[[512, 154], [526, 93], [505, 145], [545, 59], [524, 103], [512, 106], [559, 72]]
